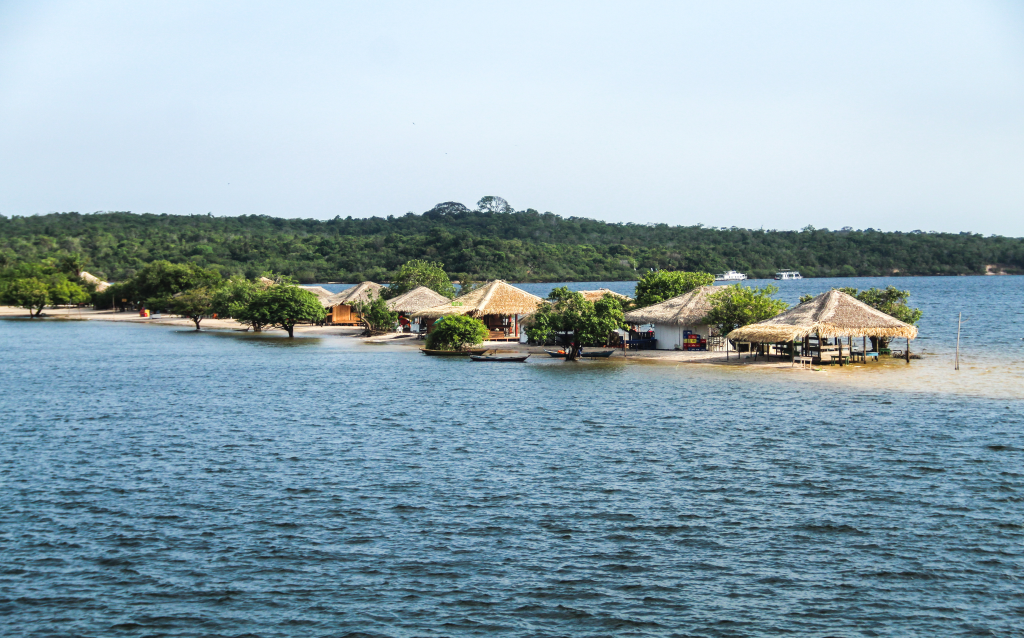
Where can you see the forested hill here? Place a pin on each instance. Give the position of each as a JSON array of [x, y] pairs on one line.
[[514, 245]]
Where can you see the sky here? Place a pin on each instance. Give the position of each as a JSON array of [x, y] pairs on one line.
[[889, 115]]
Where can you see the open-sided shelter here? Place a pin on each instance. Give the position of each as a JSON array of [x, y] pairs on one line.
[[499, 305], [833, 314], [672, 316], [340, 304]]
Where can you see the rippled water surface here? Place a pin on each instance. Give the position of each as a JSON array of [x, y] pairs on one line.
[[162, 482]]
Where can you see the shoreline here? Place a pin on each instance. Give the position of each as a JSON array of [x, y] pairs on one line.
[[981, 377]]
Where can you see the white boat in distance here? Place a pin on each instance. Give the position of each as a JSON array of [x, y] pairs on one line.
[[732, 275], [787, 274]]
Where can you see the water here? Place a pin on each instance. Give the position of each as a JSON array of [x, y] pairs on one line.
[[162, 482]]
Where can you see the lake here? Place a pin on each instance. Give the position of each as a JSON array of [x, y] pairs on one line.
[[158, 481]]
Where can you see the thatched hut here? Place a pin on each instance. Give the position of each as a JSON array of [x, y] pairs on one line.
[[419, 298], [89, 278], [830, 315], [340, 304], [499, 305], [594, 295], [673, 316], [321, 293]]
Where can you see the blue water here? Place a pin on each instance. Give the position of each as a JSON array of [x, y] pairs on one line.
[[158, 482]]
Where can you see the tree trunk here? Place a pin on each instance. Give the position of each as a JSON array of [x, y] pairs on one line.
[[291, 329], [256, 327], [196, 321], [574, 352], [38, 312]]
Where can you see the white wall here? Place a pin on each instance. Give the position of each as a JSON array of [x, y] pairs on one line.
[[671, 337]]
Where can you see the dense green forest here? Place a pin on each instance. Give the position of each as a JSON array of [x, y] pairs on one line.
[[492, 241]]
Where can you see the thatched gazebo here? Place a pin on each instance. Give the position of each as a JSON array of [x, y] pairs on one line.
[[830, 315], [340, 304], [671, 317], [419, 298], [498, 304]]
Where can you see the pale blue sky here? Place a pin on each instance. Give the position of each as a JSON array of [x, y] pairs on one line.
[[893, 115]]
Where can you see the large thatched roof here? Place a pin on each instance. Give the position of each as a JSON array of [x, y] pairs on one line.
[[688, 309], [360, 293], [419, 298], [494, 298], [594, 295], [830, 314], [93, 279], [322, 294]]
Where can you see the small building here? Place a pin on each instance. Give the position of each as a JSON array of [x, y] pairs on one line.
[[671, 318], [499, 305], [419, 298], [831, 315], [339, 305]]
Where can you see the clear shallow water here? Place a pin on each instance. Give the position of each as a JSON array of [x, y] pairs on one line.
[[162, 482]]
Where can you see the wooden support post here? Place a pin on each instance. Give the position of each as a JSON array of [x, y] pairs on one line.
[[840, 352], [908, 349], [959, 321]]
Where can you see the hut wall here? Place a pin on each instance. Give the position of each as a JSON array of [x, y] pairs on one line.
[[344, 314], [671, 336]]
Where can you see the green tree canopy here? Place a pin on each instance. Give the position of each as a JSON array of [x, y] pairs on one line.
[[30, 293], [155, 283], [284, 306], [735, 306], [455, 332], [194, 303], [419, 272], [660, 285], [588, 323], [63, 291], [376, 314]]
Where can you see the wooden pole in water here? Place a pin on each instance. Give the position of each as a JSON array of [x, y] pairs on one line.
[[908, 349], [959, 321]]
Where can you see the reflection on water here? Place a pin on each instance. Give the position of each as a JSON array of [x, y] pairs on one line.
[[225, 484]]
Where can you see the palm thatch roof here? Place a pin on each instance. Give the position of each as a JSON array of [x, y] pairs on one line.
[[321, 293], [360, 293], [494, 298], [594, 295], [89, 278], [419, 298], [830, 314], [688, 309]]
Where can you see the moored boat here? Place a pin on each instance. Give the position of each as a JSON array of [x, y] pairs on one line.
[[444, 353], [787, 274], [731, 275], [499, 357]]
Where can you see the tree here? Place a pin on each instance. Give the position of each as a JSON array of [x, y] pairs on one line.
[[194, 304], [588, 323], [419, 272], [284, 306], [492, 204], [735, 306], [29, 293], [237, 290], [455, 332], [63, 292], [156, 283], [657, 286], [376, 314]]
